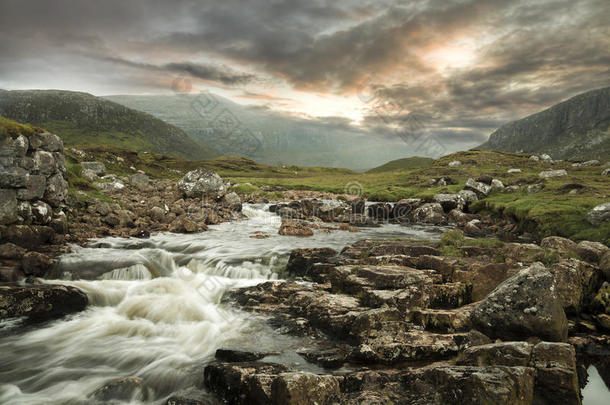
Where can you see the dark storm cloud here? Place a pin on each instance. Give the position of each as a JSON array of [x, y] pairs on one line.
[[530, 54]]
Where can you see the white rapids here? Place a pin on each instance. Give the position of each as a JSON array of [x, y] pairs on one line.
[[155, 310]]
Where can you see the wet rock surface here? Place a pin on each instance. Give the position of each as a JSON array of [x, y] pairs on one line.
[[394, 321], [40, 302]]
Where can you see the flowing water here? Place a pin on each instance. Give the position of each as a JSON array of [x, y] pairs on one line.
[[155, 310], [156, 313]]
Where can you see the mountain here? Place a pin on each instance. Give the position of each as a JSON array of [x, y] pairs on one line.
[[268, 136], [83, 119], [578, 128], [414, 162]]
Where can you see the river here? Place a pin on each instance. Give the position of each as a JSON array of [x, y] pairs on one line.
[[155, 310]]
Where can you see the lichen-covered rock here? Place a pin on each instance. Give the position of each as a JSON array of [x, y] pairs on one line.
[[558, 243], [556, 375], [291, 227], [36, 264], [525, 305], [56, 191], [8, 206], [202, 183], [552, 173], [481, 189], [232, 201], [498, 354], [576, 283], [591, 251], [97, 168], [431, 213], [41, 301], [450, 201], [301, 261], [140, 181]]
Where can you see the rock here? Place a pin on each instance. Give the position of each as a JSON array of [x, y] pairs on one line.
[[232, 201], [202, 183], [606, 172], [498, 385], [485, 179], [21, 145], [601, 301], [546, 158], [535, 188], [13, 177], [35, 186], [401, 212], [357, 205], [599, 214], [482, 190], [556, 376], [97, 168], [330, 358], [380, 211], [60, 223], [40, 301], [46, 141], [56, 191], [496, 185], [552, 173], [42, 212], [604, 265], [534, 158], [468, 196], [301, 261], [591, 251], [90, 175], [121, 389], [525, 305], [304, 388], [512, 171], [449, 201], [497, 354], [184, 225], [587, 163], [473, 229], [44, 163], [233, 356], [484, 278], [8, 207], [157, 214], [431, 213], [24, 210], [291, 227], [28, 236], [36, 264], [577, 282], [455, 163], [558, 243], [140, 181], [110, 187], [11, 251]]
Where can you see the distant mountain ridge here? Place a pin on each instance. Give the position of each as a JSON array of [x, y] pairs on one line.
[[83, 119], [267, 136], [578, 128]]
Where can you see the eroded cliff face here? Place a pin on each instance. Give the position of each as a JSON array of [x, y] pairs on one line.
[[574, 129]]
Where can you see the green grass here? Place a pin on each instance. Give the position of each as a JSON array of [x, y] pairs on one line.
[[414, 162], [10, 128]]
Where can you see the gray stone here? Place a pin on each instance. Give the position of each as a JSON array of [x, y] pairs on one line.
[[552, 173], [497, 185], [89, 175], [44, 163], [24, 210], [480, 189], [431, 213], [449, 201], [534, 158], [42, 212], [13, 177], [109, 187], [455, 163], [41, 302], [35, 186], [599, 214], [203, 183], [546, 158], [535, 188], [96, 167], [8, 207], [21, 145], [511, 171], [60, 162], [525, 305], [140, 181], [468, 196], [606, 172], [56, 191], [232, 201]]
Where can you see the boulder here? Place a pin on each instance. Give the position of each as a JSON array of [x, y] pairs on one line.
[[28, 236], [591, 251], [202, 183], [402, 210], [558, 243], [481, 189], [125, 389], [496, 185], [534, 158], [8, 206], [535, 188], [599, 214], [290, 227], [42, 212], [44, 163], [302, 260], [35, 186], [96, 168], [21, 145], [110, 187], [556, 375], [46, 141], [36, 264], [552, 173], [11, 251], [606, 172], [525, 305], [454, 163], [380, 211], [546, 158], [56, 191], [13, 177], [139, 181], [497, 354], [89, 175], [184, 225], [468, 196], [577, 282], [604, 264], [232, 201], [431, 213], [305, 388], [449, 201], [512, 171], [40, 301]]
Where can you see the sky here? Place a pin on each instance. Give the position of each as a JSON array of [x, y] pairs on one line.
[[452, 70]]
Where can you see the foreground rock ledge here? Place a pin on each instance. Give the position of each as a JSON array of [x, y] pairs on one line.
[[41, 301]]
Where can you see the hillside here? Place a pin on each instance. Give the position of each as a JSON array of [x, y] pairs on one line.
[[83, 119], [403, 164], [574, 129], [268, 136]]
